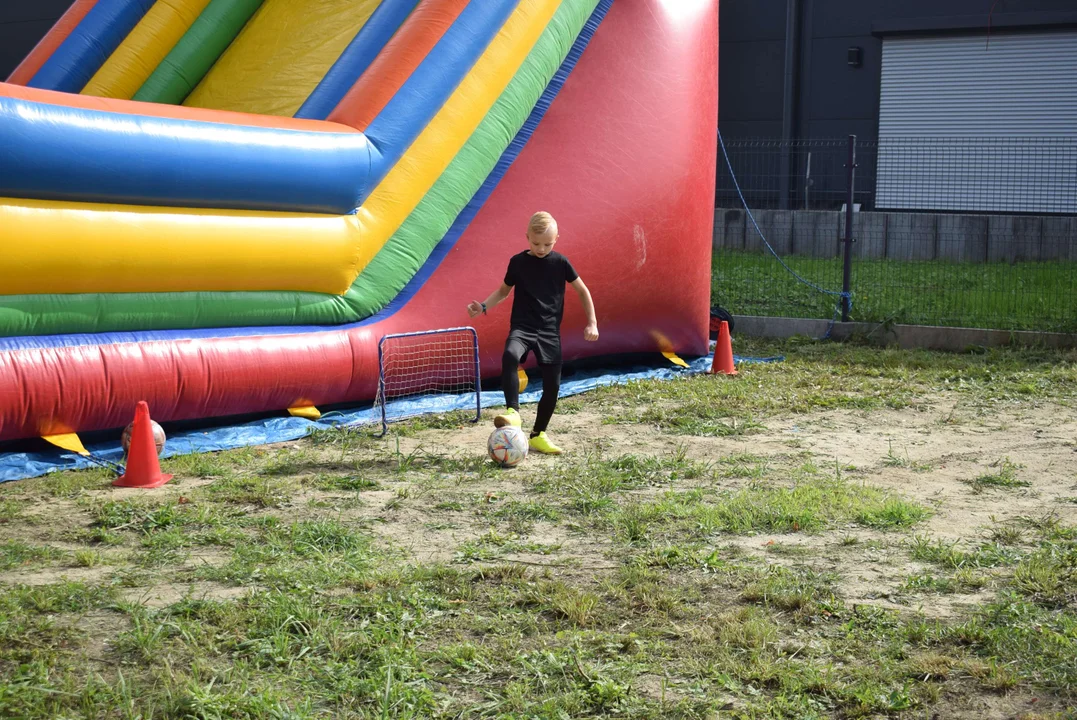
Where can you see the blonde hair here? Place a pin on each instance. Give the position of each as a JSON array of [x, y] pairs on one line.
[[540, 223]]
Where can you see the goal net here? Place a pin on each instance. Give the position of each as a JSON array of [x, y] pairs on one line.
[[428, 372]]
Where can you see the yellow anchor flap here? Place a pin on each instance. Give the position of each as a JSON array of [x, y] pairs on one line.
[[673, 358], [305, 411], [666, 348], [67, 441]]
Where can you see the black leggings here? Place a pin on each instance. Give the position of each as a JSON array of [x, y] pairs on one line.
[[510, 383]]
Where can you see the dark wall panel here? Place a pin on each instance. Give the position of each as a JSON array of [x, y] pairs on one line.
[[751, 20], [746, 81], [22, 24], [751, 63], [836, 91]]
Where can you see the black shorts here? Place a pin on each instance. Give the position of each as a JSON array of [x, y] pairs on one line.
[[545, 345]]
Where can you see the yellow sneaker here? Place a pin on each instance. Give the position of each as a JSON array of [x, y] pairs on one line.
[[541, 443], [509, 417]]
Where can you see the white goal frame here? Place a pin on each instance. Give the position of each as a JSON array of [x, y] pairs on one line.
[[472, 376]]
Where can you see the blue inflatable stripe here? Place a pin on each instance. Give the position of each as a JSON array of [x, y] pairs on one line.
[[441, 250], [421, 96], [89, 45], [356, 58], [57, 152], [139, 160]]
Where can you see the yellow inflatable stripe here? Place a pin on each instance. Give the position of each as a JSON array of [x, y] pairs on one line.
[[144, 48], [55, 247], [281, 55], [428, 157]]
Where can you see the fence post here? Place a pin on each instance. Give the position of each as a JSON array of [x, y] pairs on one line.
[[847, 269]]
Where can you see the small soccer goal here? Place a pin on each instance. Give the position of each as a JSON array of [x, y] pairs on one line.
[[427, 372]]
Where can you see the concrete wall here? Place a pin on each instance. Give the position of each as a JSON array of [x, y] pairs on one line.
[[905, 336], [902, 236]]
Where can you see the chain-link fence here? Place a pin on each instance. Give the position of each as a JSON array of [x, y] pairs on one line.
[[973, 232]]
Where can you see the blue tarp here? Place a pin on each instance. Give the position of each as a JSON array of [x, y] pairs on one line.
[[21, 465]]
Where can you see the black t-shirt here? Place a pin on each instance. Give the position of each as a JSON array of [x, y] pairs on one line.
[[539, 302]]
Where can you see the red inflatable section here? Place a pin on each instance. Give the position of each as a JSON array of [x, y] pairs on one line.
[[625, 159]]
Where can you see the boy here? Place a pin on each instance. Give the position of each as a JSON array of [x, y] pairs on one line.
[[539, 275]]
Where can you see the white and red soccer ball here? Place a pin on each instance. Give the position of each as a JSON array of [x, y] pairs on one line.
[[507, 446]]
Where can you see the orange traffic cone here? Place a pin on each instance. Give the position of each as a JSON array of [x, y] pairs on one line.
[[143, 469], [722, 364]]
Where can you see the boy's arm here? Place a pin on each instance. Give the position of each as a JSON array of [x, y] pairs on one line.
[[590, 332], [496, 297]]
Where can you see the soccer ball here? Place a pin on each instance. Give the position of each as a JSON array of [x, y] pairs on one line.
[[158, 437], [507, 446]]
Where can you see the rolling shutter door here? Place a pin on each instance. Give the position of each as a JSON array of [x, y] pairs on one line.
[[975, 126]]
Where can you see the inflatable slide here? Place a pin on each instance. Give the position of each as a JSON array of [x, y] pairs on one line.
[[220, 206]]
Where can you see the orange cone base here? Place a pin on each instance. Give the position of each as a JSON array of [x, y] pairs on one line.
[[723, 364], [143, 468], [127, 481]]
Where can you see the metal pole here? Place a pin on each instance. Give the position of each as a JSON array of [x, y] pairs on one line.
[[847, 270], [381, 387], [792, 43], [478, 376]]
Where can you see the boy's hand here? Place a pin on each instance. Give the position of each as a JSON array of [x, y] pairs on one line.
[[590, 333], [474, 308]]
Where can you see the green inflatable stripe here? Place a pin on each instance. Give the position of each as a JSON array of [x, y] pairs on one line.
[[203, 43], [380, 282]]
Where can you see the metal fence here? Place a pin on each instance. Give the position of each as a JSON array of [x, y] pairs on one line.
[[798, 174], [973, 232]]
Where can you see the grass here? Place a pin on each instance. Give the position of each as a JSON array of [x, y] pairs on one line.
[[949, 555], [665, 569], [814, 501], [963, 581], [493, 545], [10, 510], [1023, 296], [902, 460], [16, 554], [1005, 477]]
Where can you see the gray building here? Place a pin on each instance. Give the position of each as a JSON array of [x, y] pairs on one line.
[[965, 112]]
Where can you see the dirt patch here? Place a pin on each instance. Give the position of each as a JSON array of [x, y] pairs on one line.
[[1012, 706], [51, 575], [412, 532], [165, 594], [98, 630], [927, 456]]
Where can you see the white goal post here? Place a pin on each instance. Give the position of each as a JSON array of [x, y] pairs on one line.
[[415, 365]]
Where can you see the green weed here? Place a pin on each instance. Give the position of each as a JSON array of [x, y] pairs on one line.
[[1005, 477]]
